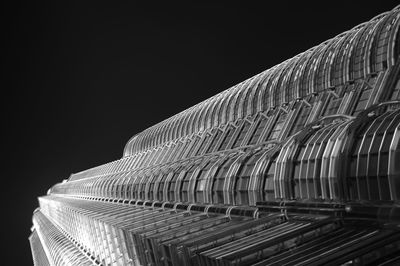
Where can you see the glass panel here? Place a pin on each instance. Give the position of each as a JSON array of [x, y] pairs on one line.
[[203, 145], [301, 119], [257, 132], [277, 127], [227, 137], [242, 134], [214, 141]]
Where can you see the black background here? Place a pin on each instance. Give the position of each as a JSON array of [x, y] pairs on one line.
[[81, 78]]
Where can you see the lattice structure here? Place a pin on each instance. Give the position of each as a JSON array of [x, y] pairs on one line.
[[299, 164]]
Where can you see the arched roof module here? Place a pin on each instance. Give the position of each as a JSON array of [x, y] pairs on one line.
[[365, 49]]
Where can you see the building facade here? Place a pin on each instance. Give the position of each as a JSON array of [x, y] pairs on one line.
[[299, 164]]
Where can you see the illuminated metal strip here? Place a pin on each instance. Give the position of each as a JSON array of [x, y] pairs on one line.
[[38, 253], [59, 250]]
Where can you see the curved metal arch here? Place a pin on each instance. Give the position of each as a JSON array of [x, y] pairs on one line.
[[382, 39], [285, 85], [242, 98], [232, 109], [193, 123], [174, 127], [393, 42], [189, 126], [371, 40], [171, 127], [149, 135], [299, 69], [224, 117], [203, 112], [264, 89], [166, 135], [129, 146], [303, 86], [281, 81], [182, 124], [246, 105], [319, 82], [348, 53], [137, 144], [223, 106], [360, 52], [329, 63], [337, 68], [255, 95], [217, 109], [196, 119], [230, 179], [309, 74], [154, 135], [147, 145], [168, 129], [163, 137], [269, 98], [208, 122], [277, 94], [142, 140], [186, 122]]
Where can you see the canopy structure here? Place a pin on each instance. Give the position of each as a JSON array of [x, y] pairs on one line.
[[299, 164]]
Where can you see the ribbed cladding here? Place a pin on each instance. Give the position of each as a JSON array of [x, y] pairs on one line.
[[374, 42], [282, 83], [38, 254], [59, 249]]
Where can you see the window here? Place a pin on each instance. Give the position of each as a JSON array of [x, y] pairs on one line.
[[215, 139], [333, 104], [361, 99], [259, 127], [242, 133], [277, 128], [338, 61], [380, 44], [396, 90], [358, 55], [203, 144], [183, 149], [227, 135], [302, 116], [189, 148]]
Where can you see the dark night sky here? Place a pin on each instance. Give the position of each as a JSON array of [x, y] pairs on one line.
[[82, 78]]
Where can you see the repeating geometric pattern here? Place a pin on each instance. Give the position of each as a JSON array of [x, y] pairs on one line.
[[296, 165]]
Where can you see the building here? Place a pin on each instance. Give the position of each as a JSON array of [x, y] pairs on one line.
[[299, 164]]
